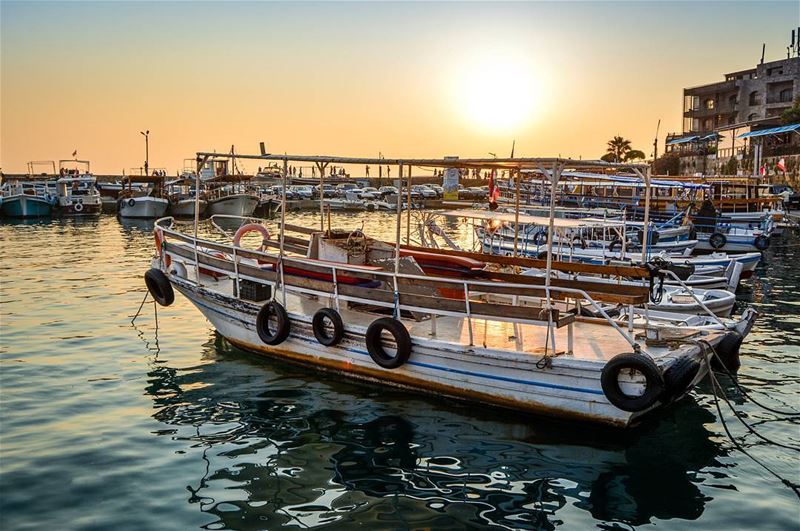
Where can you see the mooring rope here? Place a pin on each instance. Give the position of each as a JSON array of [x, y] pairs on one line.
[[146, 293], [795, 487]]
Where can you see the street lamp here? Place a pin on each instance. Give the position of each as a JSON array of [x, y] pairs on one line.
[[146, 135]]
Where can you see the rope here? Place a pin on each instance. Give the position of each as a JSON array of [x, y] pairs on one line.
[[146, 293], [741, 389], [795, 488]]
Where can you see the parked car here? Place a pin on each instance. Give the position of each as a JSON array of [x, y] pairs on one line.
[[342, 189], [387, 190], [424, 192], [303, 192], [369, 193], [438, 189], [328, 191]]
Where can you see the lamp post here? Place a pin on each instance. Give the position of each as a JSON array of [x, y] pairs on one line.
[[146, 135]]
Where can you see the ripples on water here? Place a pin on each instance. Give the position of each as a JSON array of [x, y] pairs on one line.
[[107, 425]]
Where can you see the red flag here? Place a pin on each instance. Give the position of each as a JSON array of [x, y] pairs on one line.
[[494, 191], [781, 165], [762, 171]]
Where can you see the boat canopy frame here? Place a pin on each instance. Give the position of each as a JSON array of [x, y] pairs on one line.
[[551, 168]]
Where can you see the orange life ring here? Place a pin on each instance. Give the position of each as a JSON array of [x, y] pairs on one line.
[[159, 237], [252, 227]]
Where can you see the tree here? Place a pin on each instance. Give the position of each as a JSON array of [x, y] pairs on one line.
[[634, 154], [668, 164], [617, 148], [608, 157], [792, 114]]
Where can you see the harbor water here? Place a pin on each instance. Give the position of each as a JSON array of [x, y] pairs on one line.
[[162, 424]]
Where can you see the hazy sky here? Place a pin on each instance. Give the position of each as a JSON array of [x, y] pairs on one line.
[[405, 79]]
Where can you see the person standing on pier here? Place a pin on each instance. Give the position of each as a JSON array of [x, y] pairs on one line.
[[367, 170]]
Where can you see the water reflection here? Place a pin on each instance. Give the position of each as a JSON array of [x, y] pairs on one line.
[[279, 446]]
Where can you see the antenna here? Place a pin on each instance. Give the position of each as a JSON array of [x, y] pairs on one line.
[[655, 145], [763, 49], [513, 145]]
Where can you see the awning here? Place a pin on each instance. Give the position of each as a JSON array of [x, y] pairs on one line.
[[771, 131], [525, 219], [694, 138], [683, 140]]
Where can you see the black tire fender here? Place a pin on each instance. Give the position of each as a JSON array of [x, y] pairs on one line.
[[375, 342], [717, 240], [679, 376], [131, 202], [761, 242], [159, 287], [282, 328], [728, 352], [654, 382], [654, 236], [320, 332]]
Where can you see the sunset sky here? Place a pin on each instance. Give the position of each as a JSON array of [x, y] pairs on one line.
[[404, 79]]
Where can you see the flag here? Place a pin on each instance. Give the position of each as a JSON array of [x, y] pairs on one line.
[[781, 165], [494, 190], [75, 153], [762, 171]]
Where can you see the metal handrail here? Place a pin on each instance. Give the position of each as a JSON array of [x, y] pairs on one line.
[[577, 293]]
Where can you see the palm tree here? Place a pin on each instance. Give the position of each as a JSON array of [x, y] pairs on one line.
[[617, 148]]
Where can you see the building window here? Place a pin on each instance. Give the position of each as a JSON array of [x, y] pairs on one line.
[[733, 101], [710, 103], [755, 98], [732, 120], [785, 95], [708, 124]]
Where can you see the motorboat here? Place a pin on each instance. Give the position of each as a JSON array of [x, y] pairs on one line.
[[23, 198], [76, 192], [182, 203], [343, 302], [133, 203], [231, 198]]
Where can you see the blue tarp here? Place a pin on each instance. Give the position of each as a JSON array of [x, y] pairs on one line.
[[631, 181], [695, 138], [682, 140], [771, 131]]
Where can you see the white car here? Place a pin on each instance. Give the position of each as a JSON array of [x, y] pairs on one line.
[[369, 193]]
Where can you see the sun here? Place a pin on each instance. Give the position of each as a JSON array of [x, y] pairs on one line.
[[496, 93]]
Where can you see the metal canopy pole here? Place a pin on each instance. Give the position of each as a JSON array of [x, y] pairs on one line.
[[517, 179], [408, 210], [321, 166], [283, 229], [646, 228], [200, 164], [397, 228], [554, 176]]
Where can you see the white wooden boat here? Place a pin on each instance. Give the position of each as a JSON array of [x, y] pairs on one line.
[[142, 207], [405, 316], [134, 203]]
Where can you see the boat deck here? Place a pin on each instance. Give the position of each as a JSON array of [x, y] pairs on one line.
[[592, 341]]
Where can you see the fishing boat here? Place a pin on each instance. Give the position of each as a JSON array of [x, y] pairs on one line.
[[344, 302], [26, 199], [143, 203], [182, 203], [76, 193]]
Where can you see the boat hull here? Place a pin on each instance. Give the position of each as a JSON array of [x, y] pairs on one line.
[[233, 205], [26, 206], [567, 389], [185, 208], [143, 207]]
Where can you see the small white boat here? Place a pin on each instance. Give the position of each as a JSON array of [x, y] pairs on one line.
[[76, 190], [143, 207], [140, 205]]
